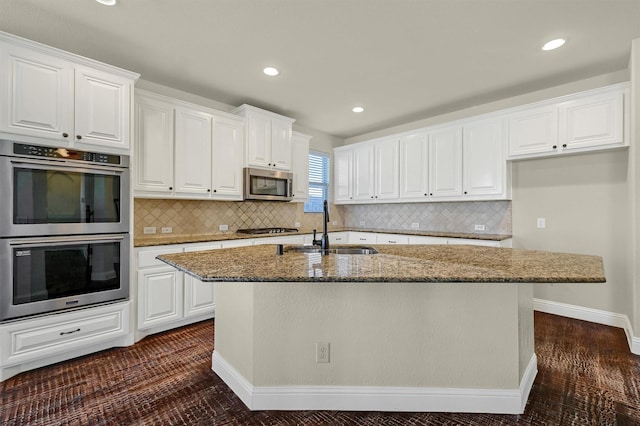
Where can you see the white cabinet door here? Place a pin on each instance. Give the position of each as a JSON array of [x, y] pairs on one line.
[[445, 162], [192, 152], [160, 296], [338, 238], [342, 176], [36, 94], [259, 141], [102, 108], [386, 173], [362, 238], [280, 144], [227, 157], [199, 297], [484, 165], [153, 171], [419, 239], [414, 166], [592, 121], [533, 131], [392, 239], [300, 166], [363, 173]]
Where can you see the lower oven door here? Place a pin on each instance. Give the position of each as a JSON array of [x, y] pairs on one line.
[[46, 274]]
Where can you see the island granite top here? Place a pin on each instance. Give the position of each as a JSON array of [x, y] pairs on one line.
[[393, 263]]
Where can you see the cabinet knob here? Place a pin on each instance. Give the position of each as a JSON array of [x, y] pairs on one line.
[[372, 196], [65, 135], [78, 137], [564, 145], [171, 188], [555, 146], [431, 195], [465, 192], [208, 190], [215, 190]]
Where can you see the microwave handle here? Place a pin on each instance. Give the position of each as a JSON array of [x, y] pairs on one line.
[[68, 239], [290, 187]]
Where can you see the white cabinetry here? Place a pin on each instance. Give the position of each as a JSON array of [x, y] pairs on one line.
[[484, 164], [300, 166], [192, 151], [392, 239], [55, 95], [268, 142], [168, 298], [153, 171], [445, 162], [32, 343], [414, 166], [362, 237], [186, 151], [342, 175], [338, 238], [375, 170], [592, 120]]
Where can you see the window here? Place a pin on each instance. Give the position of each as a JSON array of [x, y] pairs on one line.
[[318, 182]]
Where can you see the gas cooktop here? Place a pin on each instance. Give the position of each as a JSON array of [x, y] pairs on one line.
[[266, 230]]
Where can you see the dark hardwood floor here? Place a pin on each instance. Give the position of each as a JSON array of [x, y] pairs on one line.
[[587, 376]]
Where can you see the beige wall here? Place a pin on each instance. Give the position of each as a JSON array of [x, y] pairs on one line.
[[634, 176], [584, 201]]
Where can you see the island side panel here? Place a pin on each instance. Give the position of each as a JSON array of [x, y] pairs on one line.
[[427, 335], [234, 326], [525, 326]]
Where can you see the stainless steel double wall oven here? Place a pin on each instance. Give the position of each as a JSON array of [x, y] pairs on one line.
[[64, 229]]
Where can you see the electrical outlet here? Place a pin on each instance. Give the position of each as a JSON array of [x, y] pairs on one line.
[[415, 225], [149, 230], [541, 222], [296, 225], [334, 223], [322, 352], [223, 227], [479, 227], [166, 230], [362, 223]]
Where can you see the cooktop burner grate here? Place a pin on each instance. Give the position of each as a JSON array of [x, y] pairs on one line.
[[266, 230]]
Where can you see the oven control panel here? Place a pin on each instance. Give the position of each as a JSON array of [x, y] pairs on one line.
[[65, 154]]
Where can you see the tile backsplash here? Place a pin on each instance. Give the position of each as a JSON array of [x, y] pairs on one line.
[[439, 217], [204, 217]]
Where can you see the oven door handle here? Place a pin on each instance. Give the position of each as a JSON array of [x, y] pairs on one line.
[[67, 239], [49, 165]]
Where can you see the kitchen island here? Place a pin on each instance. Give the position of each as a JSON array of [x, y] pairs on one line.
[[412, 328]]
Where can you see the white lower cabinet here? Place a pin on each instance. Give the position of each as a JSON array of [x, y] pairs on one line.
[[40, 341], [362, 237], [338, 238], [199, 297], [392, 239], [159, 296], [419, 239]]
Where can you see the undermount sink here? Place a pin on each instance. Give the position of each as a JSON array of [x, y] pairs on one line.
[[332, 250]]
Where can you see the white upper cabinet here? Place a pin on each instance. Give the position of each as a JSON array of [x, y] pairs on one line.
[[533, 131], [343, 175], [268, 142], [300, 166], [363, 183], [386, 171], [592, 120], [47, 93], [414, 166], [193, 132], [445, 162], [153, 171], [227, 148], [186, 151], [484, 163]]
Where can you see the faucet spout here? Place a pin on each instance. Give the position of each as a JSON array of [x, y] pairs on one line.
[[325, 235]]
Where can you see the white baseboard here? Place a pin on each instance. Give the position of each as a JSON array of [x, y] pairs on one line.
[[591, 315], [369, 398]]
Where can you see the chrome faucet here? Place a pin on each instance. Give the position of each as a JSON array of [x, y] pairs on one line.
[[323, 242]]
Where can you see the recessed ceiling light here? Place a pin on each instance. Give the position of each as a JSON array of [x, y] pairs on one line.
[[271, 71], [107, 2], [554, 44], [357, 109]]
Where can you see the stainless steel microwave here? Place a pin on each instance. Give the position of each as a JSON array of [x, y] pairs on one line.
[[269, 185]]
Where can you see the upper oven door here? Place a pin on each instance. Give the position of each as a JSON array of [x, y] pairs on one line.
[[46, 197]]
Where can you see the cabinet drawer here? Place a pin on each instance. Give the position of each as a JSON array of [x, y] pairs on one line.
[[33, 339], [147, 258], [391, 239]]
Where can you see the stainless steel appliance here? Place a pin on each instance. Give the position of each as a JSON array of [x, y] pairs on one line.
[[64, 229], [269, 185]]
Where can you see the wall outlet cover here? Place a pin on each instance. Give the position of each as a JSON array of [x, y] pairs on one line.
[[149, 230], [166, 230], [479, 228], [415, 225], [223, 227]]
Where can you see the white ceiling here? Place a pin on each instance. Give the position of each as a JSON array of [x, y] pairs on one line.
[[402, 60]]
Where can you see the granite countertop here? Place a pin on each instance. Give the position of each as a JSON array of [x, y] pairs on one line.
[[200, 238], [393, 263]]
